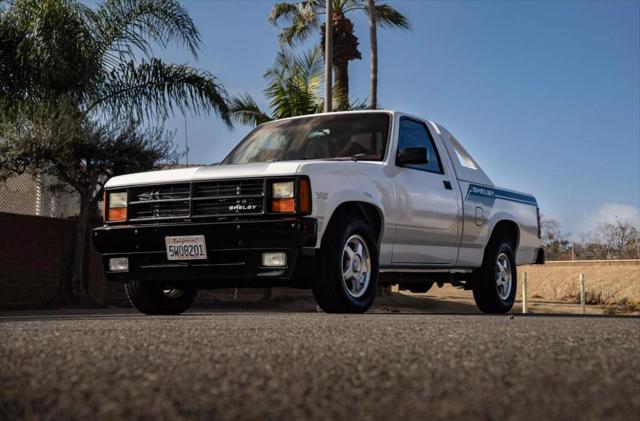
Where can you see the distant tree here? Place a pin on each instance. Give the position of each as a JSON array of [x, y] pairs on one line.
[[554, 240], [591, 249], [619, 239]]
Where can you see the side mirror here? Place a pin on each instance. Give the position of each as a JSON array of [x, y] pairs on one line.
[[412, 156]]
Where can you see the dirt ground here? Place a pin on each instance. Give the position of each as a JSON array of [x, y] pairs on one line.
[[611, 288]]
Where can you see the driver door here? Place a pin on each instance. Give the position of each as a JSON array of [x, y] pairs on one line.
[[427, 229]]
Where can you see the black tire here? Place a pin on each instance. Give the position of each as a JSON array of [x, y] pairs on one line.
[[491, 297], [148, 297], [420, 288], [329, 289]]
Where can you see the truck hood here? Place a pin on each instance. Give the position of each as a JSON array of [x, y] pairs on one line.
[[213, 172]]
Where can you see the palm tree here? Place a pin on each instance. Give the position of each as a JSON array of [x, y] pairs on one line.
[[95, 64], [303, 19], [63, 49], [293, 85], [373, 42]]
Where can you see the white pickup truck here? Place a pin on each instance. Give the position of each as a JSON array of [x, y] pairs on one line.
[[337, 202]]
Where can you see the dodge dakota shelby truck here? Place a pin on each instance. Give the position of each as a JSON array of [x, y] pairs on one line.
[[338, 202]]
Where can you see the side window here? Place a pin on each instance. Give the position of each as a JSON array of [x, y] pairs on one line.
[[463, 156], [414, 134]]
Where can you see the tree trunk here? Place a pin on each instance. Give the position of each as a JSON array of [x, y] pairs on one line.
[[74, 286], [373, 35], [341, 85], [345, 48]]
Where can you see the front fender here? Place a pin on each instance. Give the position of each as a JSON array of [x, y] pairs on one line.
[[348, 196], [337, 183]]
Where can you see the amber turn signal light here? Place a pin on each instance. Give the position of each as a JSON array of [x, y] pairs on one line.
[[283, 205], [117, 215]]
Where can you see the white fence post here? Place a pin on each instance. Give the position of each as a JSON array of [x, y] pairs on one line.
[[524, 293], [582, 297]]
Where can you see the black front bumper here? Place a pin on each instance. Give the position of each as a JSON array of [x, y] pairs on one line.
[[234, 252]]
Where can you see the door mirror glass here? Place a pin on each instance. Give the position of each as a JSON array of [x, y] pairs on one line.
[[413, 156]]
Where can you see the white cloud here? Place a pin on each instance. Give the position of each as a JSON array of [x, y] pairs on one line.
[[608, 212]]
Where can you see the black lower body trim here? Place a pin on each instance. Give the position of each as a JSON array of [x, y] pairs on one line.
[[234, 253]]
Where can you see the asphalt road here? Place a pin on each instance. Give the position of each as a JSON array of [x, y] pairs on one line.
[[317, 366]]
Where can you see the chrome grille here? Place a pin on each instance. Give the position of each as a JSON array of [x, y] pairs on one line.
[[229, 188], [162, 192], [197, 200]]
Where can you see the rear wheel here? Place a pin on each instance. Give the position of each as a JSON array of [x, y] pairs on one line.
[[151, 297], [348, 272], [495, 283]]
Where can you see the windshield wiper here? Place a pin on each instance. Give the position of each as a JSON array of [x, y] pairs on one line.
[[348, 158]]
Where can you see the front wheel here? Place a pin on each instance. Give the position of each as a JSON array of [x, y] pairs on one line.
[[348, 272], [152, 298], [495, 283]]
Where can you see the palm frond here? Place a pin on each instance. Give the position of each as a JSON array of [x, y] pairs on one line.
[[299, 31], [48, 46], [358, 104], [244, 110], [283, 10], [121, 26], [293, 83], [388, 17], [156, 89], [345, 6], [310, 67], [302, 18]]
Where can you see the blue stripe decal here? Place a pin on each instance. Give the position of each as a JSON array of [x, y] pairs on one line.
[[488, 195]]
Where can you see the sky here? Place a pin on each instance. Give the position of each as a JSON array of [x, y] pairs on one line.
[[545, 95]]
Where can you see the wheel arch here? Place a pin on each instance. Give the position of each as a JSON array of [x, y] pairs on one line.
[[371, 213], [506, 228]]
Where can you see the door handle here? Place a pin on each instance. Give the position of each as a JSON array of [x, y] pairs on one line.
[[447, 185]]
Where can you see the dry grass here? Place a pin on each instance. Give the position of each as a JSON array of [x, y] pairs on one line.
[[606, 283]]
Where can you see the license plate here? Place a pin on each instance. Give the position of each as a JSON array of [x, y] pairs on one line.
[[187, 247]]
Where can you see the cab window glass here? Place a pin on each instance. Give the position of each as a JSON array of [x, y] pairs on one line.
[[463, 156], [363, 136], [414, 134]]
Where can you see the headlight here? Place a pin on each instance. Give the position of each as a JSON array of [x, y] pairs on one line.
[[287, 199], [283, 197], [282, 190], [118, 200], [117, 211]]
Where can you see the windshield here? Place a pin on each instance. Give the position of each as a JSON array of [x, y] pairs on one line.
[[361, 136]]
